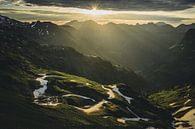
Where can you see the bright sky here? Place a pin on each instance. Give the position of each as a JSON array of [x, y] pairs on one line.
[[60, 15]]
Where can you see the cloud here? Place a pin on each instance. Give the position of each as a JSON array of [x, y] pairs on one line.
[[9, 2], [21, 10], [138, 5], [61, 15], [151, 17]]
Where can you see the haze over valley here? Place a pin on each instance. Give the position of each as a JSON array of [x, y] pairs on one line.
[[97, 64]]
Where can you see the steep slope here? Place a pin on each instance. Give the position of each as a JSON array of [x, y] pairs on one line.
[[145, 48], [142, 45], [152, 50], [68, 101], [185, 28], [34, 95], [180, 101], [26, 39], [179, 67]]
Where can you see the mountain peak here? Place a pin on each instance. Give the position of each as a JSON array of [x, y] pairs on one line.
[[185, 28], [161, 23], [90, 22], [72, 22], [187, 45], [190, 32]]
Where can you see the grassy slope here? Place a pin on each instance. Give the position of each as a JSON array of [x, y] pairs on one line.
[[17, 79], [177, 94], [17, 109]]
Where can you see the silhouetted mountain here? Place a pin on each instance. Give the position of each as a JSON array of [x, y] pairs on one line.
[[185, 28], [145, 48], [179, 67], [187, 58], [143, 45]]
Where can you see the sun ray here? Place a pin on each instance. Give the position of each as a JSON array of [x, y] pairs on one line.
[[95, 11]]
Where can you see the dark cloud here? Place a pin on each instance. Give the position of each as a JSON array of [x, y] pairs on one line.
[[165, 5], [146, 17]]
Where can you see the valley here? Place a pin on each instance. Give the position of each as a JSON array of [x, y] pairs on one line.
[[65, 76]]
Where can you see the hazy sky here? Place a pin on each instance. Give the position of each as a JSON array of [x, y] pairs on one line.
[[119, 11]]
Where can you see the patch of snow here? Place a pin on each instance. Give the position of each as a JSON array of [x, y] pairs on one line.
[[110, 92], [105, 117], [172, 104], [88, 84], [173, 46], [33, 25], [123, 120], [41, 91], [116, 89], [188, 101], [47, 104], [173, 124], [151, 128], [135, 119], [73, 80], [84, 97], [138, 117], [47, 32], [133, 112], [128, 99]]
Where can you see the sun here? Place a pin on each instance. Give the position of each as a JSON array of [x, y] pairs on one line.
[[94, 11], [94, 8]]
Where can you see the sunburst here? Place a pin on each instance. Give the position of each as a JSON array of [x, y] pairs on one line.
[[94, 11]]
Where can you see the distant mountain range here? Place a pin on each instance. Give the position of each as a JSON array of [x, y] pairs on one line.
[[142, 48], [66, 59], [139, 47]]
